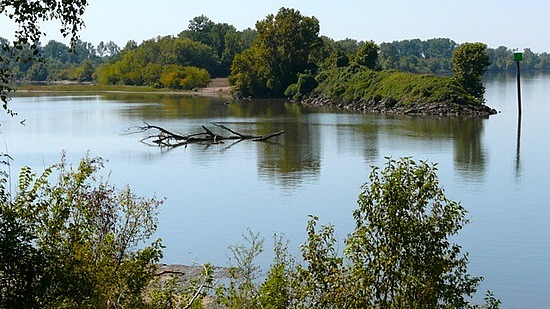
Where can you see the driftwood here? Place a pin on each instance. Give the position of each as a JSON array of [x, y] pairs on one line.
[[166, 138]]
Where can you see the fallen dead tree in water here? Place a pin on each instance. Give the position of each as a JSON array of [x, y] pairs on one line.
[[166, 138]]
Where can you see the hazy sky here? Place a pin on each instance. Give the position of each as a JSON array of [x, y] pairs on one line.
[[515, 24]]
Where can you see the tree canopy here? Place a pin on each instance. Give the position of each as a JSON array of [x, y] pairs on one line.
[[284, 60], [282, 48], [367, 55], [224, 39], [470, 61], [153, 59]]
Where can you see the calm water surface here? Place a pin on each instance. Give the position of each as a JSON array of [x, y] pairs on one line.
[[215, 193]]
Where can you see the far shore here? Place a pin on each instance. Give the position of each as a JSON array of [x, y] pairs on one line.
[[218, 87]]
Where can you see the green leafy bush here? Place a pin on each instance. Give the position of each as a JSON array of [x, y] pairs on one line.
[[303, 87], [399, 255], [180, 77], [75, 242]]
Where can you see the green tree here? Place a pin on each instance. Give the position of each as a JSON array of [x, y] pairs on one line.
[[281, 50], [223, 38], [323, 281], [56, 50], [249, 73], [400, 251], [245, 290], [235, 43], [21, 263], [470, 61], [199, 30], [367, 55], [304, 86], [37, 72], [29, 15], [85, 71], [349, 46], [417, 56]]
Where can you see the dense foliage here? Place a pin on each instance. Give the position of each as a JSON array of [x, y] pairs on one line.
[[289, 58], [153, 59], [206, 49], [59, 62], [355, 84], [435, 56], [417, 56], [470, 61], [356, 81], [283, 48], [399, 255], [284, 59], [75, 242], [400, 248], [184, 62], [223, 38]]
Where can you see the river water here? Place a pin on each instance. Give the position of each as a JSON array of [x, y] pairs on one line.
[[498, 171]]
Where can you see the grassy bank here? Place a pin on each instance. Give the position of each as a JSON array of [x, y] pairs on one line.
[[356, 84], [359, 88]]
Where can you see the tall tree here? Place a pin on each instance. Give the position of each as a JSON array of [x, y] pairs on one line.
[[470, 61], [280, 51], [367, 55]]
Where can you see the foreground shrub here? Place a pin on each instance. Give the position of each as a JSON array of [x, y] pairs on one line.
[[68, 239], [398, 256]]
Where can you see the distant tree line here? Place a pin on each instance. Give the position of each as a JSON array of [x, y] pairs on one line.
[[207, 49], [435, 56], [59, 62]]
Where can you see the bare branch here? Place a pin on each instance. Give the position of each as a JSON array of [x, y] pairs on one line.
[[166, 138]]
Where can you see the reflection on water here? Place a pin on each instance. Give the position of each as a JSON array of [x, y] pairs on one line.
[[518, 147], [298, 153]]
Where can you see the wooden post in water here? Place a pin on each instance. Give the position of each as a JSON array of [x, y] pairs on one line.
[[518, 57]]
